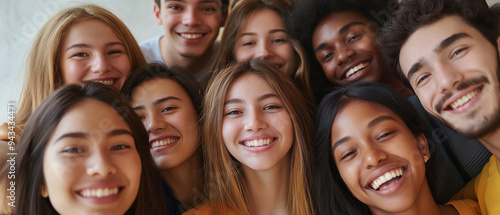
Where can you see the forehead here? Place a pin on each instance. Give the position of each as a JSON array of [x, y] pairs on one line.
[[158, 87], [89, 120], [218, 2], [358, 114], [336, 20], [424, 41], [248, 85], [263, 18]]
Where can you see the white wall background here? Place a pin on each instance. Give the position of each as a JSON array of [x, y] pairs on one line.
[[21, 19]]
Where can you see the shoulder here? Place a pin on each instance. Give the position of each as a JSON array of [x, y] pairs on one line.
[[151, 49], [207, 209]]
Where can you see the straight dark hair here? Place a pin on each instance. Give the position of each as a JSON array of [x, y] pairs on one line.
[[41, 126], [329, 190]]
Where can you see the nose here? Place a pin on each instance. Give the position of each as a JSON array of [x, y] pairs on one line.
[[344, 54], [373, 156], [263, 51], [154, 123], [190, 18], [448, 77], [100, 164], [255, 122], [100, 64]]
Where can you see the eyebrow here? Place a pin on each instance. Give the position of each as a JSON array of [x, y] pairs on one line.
[[450, 40], [439, 48], [156, 102], [341, 31], [199, 2], [346, 27], [82, 135], [261, 98], [272, 31], [370, 124], [83, 45]]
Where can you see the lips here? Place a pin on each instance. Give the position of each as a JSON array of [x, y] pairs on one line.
[[108, 82], [380, 181], [258, 142], [464, 99], [99, 192], [353, 68], [190, 36], [163, 142]]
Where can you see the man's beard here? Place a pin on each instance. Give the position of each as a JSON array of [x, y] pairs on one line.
[[487, 125]]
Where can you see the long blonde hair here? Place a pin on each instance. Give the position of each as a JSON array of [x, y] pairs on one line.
[[225, 182], [42, 73], [232, 31]]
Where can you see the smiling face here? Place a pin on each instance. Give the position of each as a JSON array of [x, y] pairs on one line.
[[191, 26], [453, 70], [91, 167], [90, 51], [378, 157], [170, 119], [263, 36], [344, 46], [257, 129]]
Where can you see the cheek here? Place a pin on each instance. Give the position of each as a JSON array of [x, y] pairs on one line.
[[132, 167], [122, 64], [284, 124], [242, 54], [73, 71]]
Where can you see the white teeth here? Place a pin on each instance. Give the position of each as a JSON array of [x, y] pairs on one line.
[[100, 192], [107, 82], [164, 142], [355, 69], [386, 177], [464, 99], [256, 143], [191, 36]]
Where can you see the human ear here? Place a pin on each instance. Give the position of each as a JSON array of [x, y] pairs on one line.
[[44, 191], [498, 44], [156, 10], [424, 147]]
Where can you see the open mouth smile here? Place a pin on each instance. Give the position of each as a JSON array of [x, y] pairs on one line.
[[388, 179], [258, 142]]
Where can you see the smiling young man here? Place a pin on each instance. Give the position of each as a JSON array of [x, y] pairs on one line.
[[190, 29], [450, 57]]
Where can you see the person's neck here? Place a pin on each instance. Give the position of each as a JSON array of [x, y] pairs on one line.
[[492, 142], [184, 180], [399, 86], [268, 190], [424, 204], [191, 65]]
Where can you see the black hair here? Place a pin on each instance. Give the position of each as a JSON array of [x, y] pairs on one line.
[[307, 14]]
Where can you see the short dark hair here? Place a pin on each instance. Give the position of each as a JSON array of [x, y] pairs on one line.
[[224, 6], [307, 14], [329, 190], [42, 124], [413, 14]]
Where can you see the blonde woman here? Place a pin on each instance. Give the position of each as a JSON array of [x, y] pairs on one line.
[[80, 44], [257, 134]]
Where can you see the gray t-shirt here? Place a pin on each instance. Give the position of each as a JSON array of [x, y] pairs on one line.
[[151, 51]]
